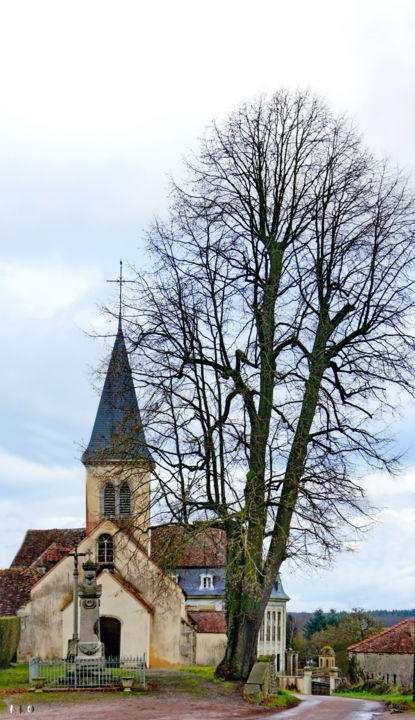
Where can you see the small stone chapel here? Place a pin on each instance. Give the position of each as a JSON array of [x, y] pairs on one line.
[[174, 617]]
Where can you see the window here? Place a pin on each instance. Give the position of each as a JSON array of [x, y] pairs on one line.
[[125, 500], [206, 582], [105, 554], [109, 500], [270, 630]]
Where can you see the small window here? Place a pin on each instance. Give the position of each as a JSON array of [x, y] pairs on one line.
[[105, 554], [109, 500], [206, 582], [125, 500]]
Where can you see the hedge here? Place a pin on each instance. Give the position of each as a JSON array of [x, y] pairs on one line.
[[9, 639]]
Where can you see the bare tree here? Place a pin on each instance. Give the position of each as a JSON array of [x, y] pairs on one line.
[[269, 339]]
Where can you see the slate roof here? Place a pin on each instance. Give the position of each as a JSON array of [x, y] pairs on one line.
[[190, 555], [189, 581], [278, 592], [118, 431], [15, 586], [396, 639], [209, 621], [37, 541], [172, 547]]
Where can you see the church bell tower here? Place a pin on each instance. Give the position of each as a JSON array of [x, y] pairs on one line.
[[117, 460]]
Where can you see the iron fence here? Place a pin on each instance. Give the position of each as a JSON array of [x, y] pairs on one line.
[[88, 673]]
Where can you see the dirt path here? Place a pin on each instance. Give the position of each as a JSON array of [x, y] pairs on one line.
[[180, 708]]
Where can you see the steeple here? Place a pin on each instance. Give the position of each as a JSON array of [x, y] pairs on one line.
[[118, 431]]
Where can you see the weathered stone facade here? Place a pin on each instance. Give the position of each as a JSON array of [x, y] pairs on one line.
[[396, 669], [389, 654]]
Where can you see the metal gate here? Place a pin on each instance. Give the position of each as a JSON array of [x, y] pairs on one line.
[[320, 687]]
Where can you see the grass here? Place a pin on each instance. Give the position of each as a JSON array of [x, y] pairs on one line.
[[401, 703], [282, 699], [207, 672], [14, 677]]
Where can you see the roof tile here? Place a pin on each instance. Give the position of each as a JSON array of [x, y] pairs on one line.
[[396, 639], [173, 547], [37, 541], [209, 621], [15, 586]]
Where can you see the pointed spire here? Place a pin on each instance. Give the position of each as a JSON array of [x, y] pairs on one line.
[[118, 431]]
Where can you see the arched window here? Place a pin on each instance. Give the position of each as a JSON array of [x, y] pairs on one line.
[[125, 500], [109, 500], [105, 552]]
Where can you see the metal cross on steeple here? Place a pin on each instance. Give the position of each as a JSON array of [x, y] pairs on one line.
[[121, 282]]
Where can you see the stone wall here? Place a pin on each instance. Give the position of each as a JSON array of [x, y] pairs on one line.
[[393, 668]]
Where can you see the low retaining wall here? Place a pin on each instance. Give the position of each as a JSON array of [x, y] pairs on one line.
[[262, 682]]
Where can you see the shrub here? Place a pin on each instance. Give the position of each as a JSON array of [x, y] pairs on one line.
[[375, 686], [9, 639]]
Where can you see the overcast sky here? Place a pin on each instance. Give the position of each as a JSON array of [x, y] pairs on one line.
[[99, 103]]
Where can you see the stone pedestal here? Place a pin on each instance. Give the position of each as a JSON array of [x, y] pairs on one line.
[[334, 674], [308, 675]]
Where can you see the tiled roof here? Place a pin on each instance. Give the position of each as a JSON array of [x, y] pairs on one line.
[[118, 431], [15, 585], [37, 541], [209, 621], [52, 555], [172, 547], [396, 639]]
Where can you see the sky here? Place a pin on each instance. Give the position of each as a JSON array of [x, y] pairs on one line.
[[99, 103]]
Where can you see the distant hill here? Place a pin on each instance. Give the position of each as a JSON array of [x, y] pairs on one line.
[[385, 617]]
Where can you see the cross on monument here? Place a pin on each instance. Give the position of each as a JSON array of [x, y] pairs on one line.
[[121, 282], [75, 554]]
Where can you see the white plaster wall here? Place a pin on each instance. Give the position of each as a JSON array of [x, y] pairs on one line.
[[210, 648], [118, 603], [42, 616], [47, 618]]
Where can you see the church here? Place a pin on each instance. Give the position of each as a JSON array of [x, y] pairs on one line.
[[174, 617]]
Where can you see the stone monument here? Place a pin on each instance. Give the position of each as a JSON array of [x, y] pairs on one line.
[[87, 667], [89, 645]]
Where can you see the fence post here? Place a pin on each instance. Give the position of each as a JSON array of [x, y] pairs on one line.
[[33, 668]]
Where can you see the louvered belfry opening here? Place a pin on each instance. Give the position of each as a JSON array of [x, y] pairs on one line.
[[109, 500], [125, 500]]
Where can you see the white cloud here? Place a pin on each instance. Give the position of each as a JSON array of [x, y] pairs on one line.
[[38, 497], [30, 473], [42, 290], [381, 485]]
